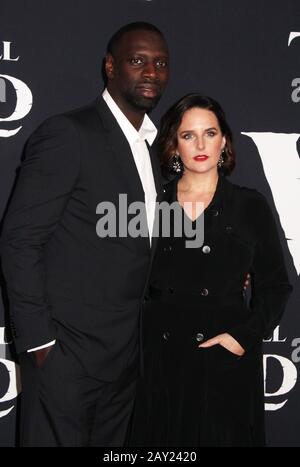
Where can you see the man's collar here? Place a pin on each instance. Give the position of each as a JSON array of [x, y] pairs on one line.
[[147, 130]]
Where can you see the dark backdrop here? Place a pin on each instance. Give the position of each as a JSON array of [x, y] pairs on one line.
[[246, 54]]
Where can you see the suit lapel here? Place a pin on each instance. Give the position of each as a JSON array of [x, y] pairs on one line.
[[121, 151], [123, 157], [158, 185], [156, 170]]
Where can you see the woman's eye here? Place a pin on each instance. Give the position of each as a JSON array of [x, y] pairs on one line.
[[211, 133], [187, 136]]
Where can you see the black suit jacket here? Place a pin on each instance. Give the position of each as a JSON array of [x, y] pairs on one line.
[[63, 281]]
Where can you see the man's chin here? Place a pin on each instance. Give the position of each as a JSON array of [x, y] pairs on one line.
[[146, 103]]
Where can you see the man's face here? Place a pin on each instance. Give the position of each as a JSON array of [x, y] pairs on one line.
[[139, 70]]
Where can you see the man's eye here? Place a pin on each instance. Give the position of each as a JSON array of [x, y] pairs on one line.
[[135, 61], [161, 64]]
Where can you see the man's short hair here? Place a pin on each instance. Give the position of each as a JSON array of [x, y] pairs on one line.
[[136, 26]]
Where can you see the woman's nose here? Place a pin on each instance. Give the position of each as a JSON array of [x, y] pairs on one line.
[[200, 142]]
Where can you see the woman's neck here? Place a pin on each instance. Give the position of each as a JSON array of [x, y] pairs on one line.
[[195, 183]]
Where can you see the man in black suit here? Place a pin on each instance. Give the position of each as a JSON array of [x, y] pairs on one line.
[[75, 297]]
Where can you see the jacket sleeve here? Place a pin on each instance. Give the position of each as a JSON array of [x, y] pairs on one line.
[[269, 279], [46, 180]]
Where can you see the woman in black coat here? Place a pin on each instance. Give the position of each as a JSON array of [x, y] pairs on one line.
[[202, 343]]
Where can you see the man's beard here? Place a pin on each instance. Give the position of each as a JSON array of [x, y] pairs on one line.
[[145, 104]]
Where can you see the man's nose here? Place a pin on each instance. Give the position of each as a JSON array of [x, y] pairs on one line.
[[149, 70]]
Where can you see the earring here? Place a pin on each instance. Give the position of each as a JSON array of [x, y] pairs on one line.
[[176, 164], [221, 159]]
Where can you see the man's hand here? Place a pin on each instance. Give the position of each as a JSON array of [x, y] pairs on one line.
[[226, 341], [41, 355]]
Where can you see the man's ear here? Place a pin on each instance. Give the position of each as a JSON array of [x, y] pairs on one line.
[[109, 66]]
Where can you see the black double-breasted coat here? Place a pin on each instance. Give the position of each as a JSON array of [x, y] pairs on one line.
[[210, 397]]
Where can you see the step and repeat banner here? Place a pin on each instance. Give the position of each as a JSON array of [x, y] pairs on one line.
[[246, 54]]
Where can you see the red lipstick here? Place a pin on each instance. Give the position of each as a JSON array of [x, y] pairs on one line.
[[200, 158]]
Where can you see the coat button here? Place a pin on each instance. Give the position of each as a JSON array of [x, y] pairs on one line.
[[214, 212], [204, 292], [167, 248], [170, 289], [228, 229], [206, 249], [199, 337], [166, 335]]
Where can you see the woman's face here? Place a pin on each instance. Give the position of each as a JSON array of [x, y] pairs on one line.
[[200, 141]]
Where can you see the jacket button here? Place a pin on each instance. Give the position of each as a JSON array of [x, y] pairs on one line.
[[167, 248], [206, 249], [228, 229], [170, 289], [166, 335], [199, 337], [214, 212], [204, 292]]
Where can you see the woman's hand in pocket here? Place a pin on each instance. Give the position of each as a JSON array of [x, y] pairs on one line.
[[226, 341]]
